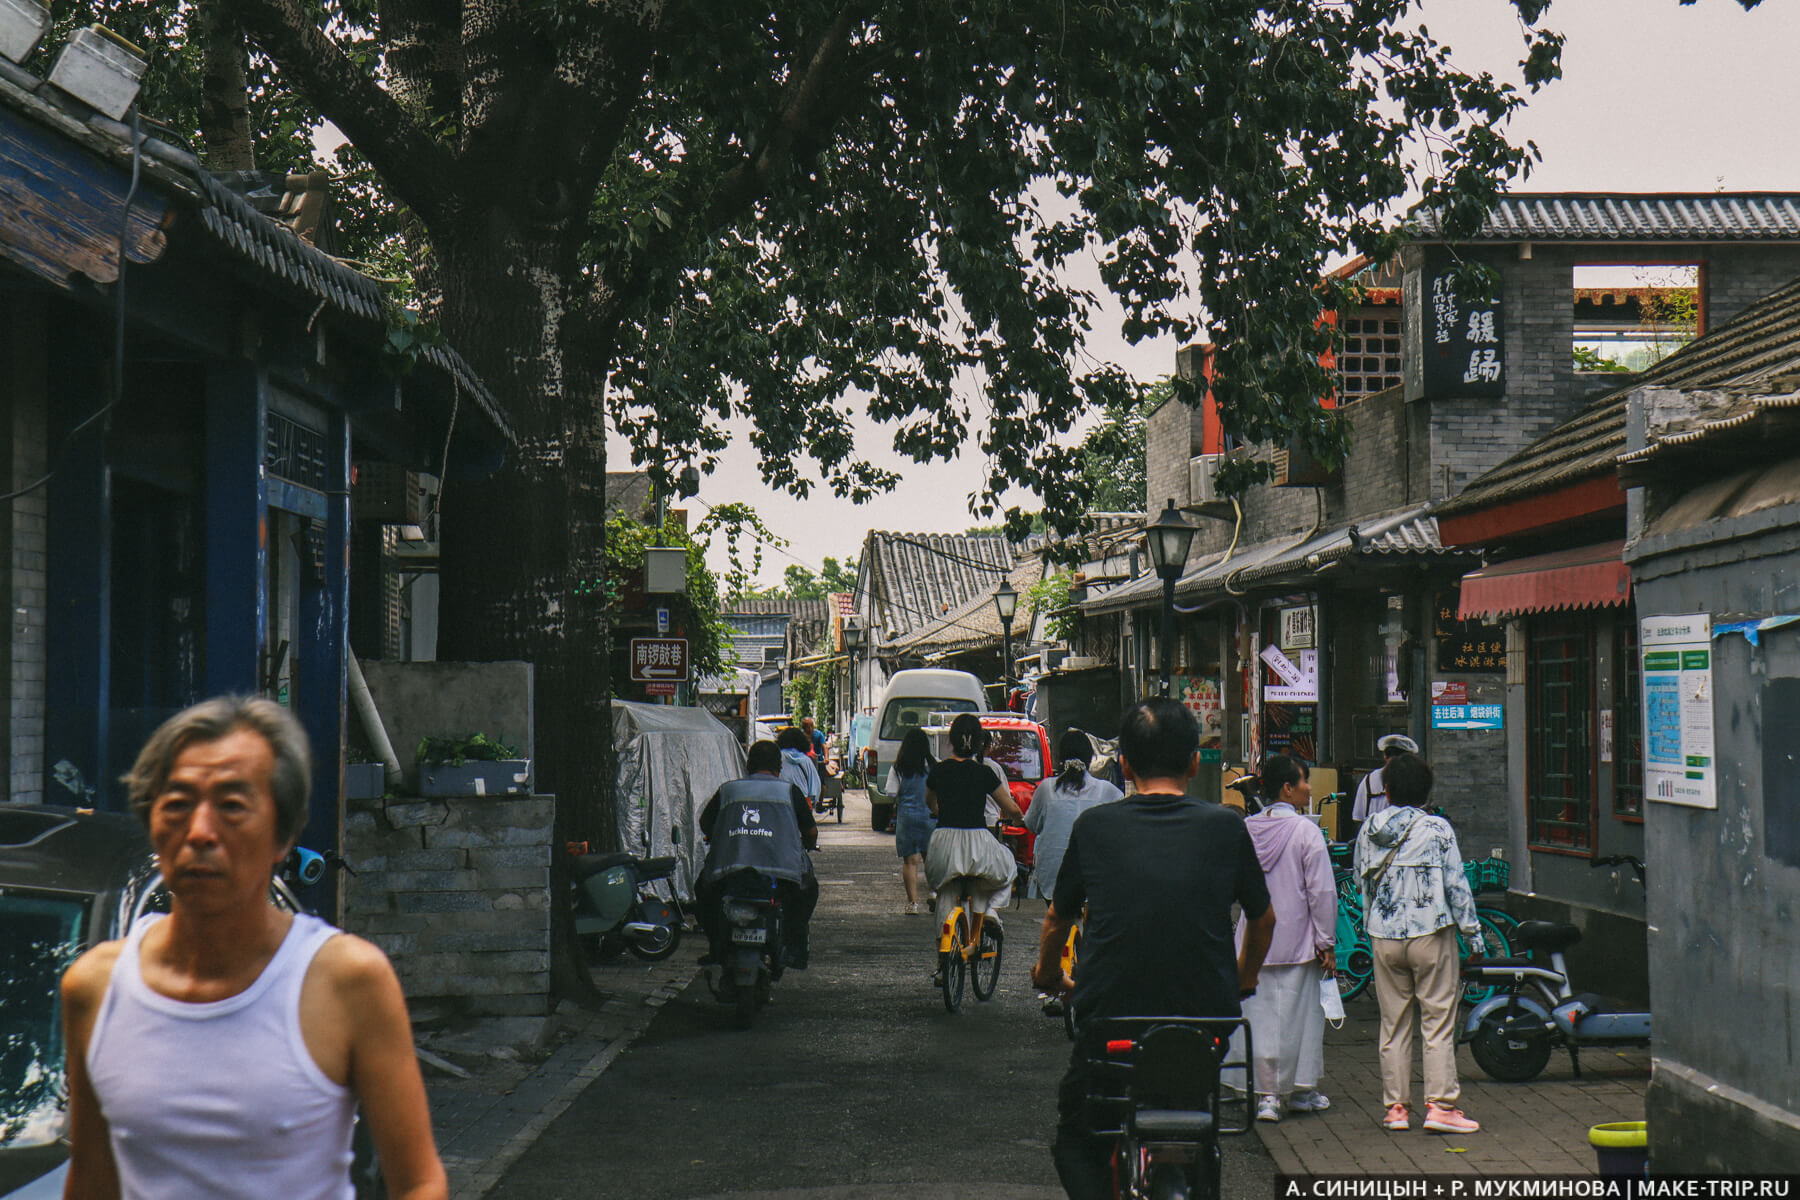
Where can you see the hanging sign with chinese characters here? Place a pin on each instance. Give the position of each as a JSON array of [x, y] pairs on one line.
[[1465, 647], [659, 660], [1465, 338]]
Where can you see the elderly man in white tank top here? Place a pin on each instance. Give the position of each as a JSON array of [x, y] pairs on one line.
[[221, 1051]]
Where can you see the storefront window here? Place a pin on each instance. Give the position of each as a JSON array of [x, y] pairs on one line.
[[1559, 784]]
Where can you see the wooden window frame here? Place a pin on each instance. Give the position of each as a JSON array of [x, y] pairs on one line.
[[1577, 630]]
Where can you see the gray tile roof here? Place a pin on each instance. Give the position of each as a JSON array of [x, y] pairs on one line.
[[1757, 352], [915, 578], [267, 245], [976, 622], [1408, 532], [1629, 217]]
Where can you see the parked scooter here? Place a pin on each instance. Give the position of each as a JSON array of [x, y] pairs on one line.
[[753, 956], [615, 910], [1512, 1033]]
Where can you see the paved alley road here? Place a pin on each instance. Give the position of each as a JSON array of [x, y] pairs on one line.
[[854, 1084]]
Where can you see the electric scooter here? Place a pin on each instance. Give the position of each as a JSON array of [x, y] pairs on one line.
[[1534, 1010], [753, 956]]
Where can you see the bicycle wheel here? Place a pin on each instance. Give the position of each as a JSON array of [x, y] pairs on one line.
[[1499, 945], [956, 966], [986, 966], [1356, 959]]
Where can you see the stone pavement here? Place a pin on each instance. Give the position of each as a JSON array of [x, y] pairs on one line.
[[485, 1122], [1536, 1128]]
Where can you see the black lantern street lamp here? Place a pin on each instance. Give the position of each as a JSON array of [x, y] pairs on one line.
[[853, 642], [1169, 536], [1006, 603]]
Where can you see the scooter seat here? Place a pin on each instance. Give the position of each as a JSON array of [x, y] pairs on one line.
[[654, 868], [1546, 935], [589, 865], [1171, 1123]]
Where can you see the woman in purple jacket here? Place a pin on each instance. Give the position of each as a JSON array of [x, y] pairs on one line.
[[1287, 1025]]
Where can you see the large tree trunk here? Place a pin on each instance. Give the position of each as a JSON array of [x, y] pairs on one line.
[[516, 543]]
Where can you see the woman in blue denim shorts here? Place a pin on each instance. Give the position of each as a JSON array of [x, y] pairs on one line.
[[913, 822]]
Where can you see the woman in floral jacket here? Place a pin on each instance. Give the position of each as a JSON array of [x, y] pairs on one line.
[[1415, 898]]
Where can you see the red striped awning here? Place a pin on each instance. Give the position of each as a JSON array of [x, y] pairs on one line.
[[1587, 577]]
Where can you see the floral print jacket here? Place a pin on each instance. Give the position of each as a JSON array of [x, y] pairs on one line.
[[1419, 886]]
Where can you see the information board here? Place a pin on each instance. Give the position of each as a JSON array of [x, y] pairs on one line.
[[1679, 767]]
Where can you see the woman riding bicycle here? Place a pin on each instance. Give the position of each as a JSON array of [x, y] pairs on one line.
[[963, 851]]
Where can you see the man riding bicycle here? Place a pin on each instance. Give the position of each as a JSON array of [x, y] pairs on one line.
[[1157, 873]]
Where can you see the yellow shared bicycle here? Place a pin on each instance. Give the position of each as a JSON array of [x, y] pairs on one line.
[[969, 949]]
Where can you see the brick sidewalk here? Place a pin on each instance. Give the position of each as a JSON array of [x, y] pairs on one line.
[[1536, 1128]]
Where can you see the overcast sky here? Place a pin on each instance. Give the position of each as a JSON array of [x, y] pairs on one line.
[[1655, 97]]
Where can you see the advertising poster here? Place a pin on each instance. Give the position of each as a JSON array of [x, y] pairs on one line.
[[1678, 712], [1206, 701]]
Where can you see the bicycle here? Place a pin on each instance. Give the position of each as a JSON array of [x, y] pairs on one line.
[[1066, 961], [1155, 1089], [969, 949]]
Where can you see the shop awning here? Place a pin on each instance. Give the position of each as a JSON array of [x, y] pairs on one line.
[[1587, 577]]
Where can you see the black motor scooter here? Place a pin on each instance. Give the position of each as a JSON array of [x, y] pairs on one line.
[[615, 910], [752, 958]]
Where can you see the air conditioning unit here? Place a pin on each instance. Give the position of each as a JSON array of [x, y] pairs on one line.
[[1296, 466], [1201, 470]]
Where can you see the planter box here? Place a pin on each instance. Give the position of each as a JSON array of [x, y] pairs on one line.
[[364, 781], [508, 776], [101, 68], [22, 23]]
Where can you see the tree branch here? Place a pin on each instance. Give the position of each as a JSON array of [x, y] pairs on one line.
[[424, 59], [417, 168]]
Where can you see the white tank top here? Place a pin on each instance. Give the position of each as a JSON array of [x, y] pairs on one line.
[[220, 1100]]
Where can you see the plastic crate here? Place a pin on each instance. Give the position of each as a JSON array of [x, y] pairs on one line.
[[1488, 874]]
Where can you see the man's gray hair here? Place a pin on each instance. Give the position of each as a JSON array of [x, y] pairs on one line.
[[213, 719]]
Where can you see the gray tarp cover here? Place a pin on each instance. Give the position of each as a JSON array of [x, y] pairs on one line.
[[671, 760]]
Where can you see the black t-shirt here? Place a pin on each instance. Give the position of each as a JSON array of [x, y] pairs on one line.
[[1158, 875], [962, 787]]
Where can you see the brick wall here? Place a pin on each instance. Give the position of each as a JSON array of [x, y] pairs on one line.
[[1739, 276], [1171, 438], [26, 537], [457, 892]]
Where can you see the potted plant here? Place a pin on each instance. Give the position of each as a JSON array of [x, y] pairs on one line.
[[471, 765]]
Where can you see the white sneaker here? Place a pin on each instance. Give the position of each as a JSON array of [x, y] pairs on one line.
[[1310, 1100], [1268, 1108]]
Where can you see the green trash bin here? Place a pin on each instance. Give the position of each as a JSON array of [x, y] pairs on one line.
[[1622, 1149]]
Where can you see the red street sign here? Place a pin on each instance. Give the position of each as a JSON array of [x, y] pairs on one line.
[[659, 689], [659, 659]]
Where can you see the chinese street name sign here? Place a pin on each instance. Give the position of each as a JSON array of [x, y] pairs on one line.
[[1679, 767], [659, 659]]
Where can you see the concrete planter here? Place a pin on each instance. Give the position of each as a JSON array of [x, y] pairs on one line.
[[472, 778], [364, 781]]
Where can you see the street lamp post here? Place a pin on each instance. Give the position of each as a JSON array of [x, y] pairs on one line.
[[1169, 536], [853, 640], [1006, 603]]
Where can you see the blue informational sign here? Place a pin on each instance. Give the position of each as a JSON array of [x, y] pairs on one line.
[[1468, 716]]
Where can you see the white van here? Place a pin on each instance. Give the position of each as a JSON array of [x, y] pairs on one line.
[[910, 699]]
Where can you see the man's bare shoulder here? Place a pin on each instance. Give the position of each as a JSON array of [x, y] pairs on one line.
[[352, 963], [86, 980]]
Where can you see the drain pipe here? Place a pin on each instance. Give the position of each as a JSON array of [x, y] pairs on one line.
[[371, 722]]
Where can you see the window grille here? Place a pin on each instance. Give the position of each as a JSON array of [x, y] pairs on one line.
[[1628, 720], [1559, 782], [295, 453], [1369, 360]]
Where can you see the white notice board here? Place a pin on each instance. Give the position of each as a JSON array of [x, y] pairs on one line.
[[1679, 766]]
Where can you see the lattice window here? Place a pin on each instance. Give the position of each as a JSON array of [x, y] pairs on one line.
[[295, 453], [1628, 720], [1369, 360], [1559, 772]]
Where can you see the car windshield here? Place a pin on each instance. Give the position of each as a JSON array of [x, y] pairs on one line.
[[40, 935], [1018, 751], [904, 713]]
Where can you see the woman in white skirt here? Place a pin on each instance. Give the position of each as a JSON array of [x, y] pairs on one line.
[[1287, 1025], [957, 791]]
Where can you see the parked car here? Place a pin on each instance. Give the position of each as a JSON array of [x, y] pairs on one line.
[[908, 702], [1020, 745], [68, 879]]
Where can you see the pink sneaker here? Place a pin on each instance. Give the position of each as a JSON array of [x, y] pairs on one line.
[[1439, 1119], [1398, 1118]]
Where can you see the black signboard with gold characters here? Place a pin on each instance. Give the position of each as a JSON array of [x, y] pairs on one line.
[[1466, 647]]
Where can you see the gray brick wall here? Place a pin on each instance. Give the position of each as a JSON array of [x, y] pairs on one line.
[[457, 892], [1739, 276], [26, 551], [1171, 438]]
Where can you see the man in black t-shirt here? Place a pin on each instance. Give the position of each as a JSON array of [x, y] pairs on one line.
[[1157, 874], [779, 853]]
